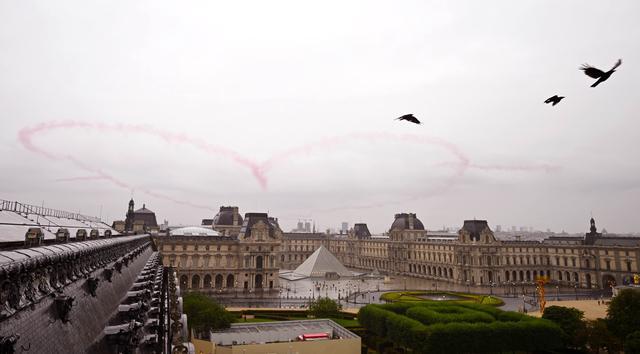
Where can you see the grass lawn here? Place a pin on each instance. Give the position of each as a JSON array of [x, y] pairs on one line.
[[408, 296]]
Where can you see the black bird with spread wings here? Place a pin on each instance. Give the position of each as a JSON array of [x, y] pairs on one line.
[[409, 118], [599, 74], [554, 100]]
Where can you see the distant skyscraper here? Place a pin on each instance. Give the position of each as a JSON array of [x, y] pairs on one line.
[[513, 229], [307, 226], [498, 228], [345, 227]]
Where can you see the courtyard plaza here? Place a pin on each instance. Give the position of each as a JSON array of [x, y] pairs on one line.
[[353, 293], [593, 309]]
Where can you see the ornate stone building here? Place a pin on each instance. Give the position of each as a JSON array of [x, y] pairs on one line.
[[138, 221], [475, 257], [222, 261], [248, 256], [297, 247], [228, 221]]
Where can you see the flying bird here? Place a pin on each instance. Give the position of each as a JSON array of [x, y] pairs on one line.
[[409, 118], [554, 100], [599, 74]]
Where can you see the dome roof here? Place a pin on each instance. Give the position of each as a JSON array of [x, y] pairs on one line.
[[225, 217], [406, 221], [193, 231]]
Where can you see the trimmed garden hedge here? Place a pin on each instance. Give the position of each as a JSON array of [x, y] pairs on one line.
[[446, 314], [459, 328]]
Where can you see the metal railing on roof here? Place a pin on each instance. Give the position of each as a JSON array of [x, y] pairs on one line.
[[42, 211]]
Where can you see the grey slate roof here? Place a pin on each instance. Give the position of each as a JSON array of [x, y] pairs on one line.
[[362, 231], [474, 227], [401, 222]]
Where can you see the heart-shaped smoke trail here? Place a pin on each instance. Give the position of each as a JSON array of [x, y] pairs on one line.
[[259, 170]]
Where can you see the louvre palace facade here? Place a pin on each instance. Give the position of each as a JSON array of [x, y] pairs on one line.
[[239, 255], [234, 254]]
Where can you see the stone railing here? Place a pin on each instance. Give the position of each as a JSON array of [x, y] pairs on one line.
[[29, 275]]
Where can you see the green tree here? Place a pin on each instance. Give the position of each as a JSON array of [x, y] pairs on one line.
[[571, 321], [204, 314], [632, 343], [599, 337], [324, 307], [623, 314]]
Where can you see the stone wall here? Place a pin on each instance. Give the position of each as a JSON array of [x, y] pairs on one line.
[[39, 326]]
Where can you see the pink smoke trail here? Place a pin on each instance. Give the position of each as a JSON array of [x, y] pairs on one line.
[[259, 171], [26, 134], [79, 178], [25, 138]]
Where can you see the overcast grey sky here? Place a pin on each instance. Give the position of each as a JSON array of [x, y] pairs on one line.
[[288, 107]]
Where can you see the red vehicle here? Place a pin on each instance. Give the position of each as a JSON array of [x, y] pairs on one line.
[[313, 336]]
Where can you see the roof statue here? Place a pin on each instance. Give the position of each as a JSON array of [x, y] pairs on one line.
[[320, 263]]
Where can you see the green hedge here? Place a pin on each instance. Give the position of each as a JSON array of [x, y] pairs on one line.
[[373, 318], [457, 328], [429, 316]]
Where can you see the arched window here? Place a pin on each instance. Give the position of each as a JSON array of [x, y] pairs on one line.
[[195, 282], [207, 281]]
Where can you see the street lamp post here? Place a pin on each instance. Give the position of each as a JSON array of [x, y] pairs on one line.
[[491, 288], [468, 285], [557, 293], [575, 289]]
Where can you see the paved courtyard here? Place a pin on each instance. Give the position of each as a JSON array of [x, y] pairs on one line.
[[592, 310]]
